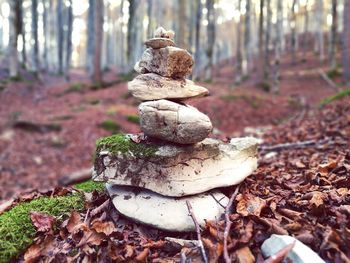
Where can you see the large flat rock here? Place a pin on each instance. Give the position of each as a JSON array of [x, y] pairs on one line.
[[167, 213], [172, 62], [174, 122], [175, 170], [152, 86]]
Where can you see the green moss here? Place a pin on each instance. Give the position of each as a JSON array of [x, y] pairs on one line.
[[16, 229], [337, 96], [16, 78], [333, 73], [123, 144], [110, 125], [133, 118], [253, 101], [90, 186]]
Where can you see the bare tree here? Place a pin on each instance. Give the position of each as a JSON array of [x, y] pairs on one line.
[[267, 40], [319, 18], [247, 39], [293, 31], [69, 38], [278, 47], [306, 25], [150, 18], [346, 43], [210, 39], [182, 19], [333, 40], [35, 52], [21, 31], [132, 35], [197, 37], [90, 37], [46, 35], [98, 28], [239, 59], [60, 35], [13, 53]]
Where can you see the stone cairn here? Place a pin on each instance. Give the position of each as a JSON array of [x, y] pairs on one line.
[[150, 177]]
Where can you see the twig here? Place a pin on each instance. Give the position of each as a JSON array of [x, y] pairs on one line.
[[292, 145], [198, 230], [281, 254], [228, 223], [328, 80]]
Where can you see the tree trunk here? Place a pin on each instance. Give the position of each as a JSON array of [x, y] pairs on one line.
[[261, 41], [278, 48], [346, 43], [98, 28], [210, 39], [35, 52], [46, 35], [247, 40], [132, 35], [150, 18], [60, 36], [333, 42], [90, 37], [182, 18], [267, 41], [238, 75], [69, 39], [293, 32], [13, 30], [197, 38], [319, 19], [306, 25], [21, 31]]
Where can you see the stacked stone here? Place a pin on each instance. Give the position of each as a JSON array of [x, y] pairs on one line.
[[151, 180]]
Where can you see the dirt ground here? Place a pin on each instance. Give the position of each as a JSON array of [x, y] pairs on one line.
[[68, 117]]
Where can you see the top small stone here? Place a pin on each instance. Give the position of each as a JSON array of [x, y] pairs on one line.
[[163, 33]]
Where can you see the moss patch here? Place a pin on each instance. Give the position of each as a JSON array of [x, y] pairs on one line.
[[123, 144], [110, 125], [133, 118], [337, 96], [90, 186], [16, 229], [333, 73]]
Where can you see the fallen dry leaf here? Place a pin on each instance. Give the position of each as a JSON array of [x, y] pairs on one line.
[[250, 205], [42, 222]]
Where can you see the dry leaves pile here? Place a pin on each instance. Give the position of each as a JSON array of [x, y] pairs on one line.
[[302, 192]]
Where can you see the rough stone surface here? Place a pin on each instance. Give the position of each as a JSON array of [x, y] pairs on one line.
[[299, 254], [178, 170], [166, 213], [163, 33], [170, 121], [168, 62], [151, 86], [159, 42]]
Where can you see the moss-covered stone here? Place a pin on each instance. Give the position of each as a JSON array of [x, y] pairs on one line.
[[121, 143], [16, 229]]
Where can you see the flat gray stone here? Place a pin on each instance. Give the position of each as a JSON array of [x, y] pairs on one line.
[[152, 86], [159, 42], [166, 213], [299, 254], [172, 62], [176, 170], [174, 122]]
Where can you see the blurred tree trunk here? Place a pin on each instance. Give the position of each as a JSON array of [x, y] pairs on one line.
[[35, 52], [247, 40], [182, 18], [21, 31], [122, 59], [98, 39], [319, 21], [69, 38], [210, 39], [293, 32], [239, 59], [261, 41], [333, 40], [191, 24], [346, 43], [132, 35], [197, 38], [278, 48], [306, 29], [150, 18], [46, 35], [60, 36], [91, 37], [267, 41], [13, 31]]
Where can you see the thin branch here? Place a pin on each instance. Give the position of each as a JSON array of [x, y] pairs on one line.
[[198, 230], [293, 145], [328, 80], [228, 223]]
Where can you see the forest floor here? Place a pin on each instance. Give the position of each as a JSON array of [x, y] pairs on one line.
[[49, 129]]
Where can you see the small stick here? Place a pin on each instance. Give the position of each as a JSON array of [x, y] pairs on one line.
[[293, 145], [281, 254], [198, 230], [228, 224]]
